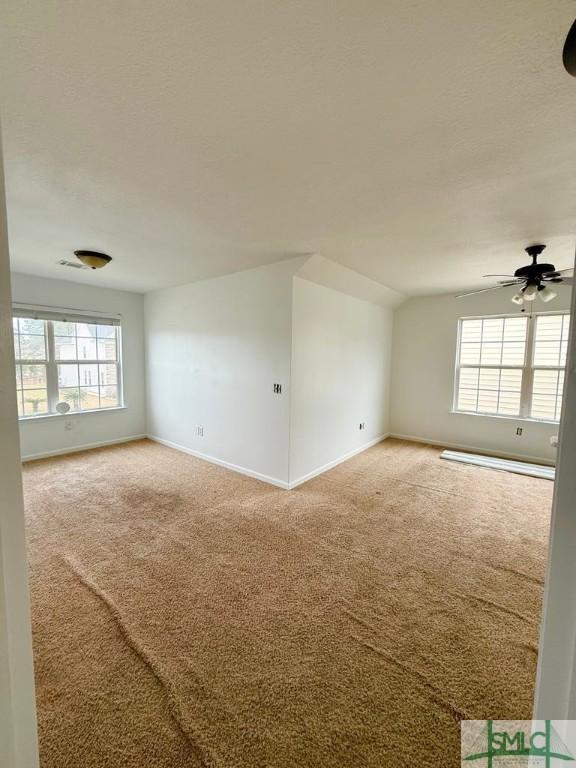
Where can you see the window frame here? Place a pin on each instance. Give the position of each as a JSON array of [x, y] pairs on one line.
[[51, 365], [25, 361], [528, 367]]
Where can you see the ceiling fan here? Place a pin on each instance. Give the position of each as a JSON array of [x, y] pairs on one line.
[[535, 279]]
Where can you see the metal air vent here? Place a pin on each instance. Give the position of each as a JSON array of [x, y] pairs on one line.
[[73, 264]]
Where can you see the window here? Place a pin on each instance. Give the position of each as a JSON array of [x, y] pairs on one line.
[[512, 366], [66, 359], [31, 353], [549, 361]]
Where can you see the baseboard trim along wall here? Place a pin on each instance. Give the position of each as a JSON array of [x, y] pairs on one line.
[[335, 462], [220, 462], [475, 449], [78, 448], [266, 478]]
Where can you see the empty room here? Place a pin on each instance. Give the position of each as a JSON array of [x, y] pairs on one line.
[[287, 384]]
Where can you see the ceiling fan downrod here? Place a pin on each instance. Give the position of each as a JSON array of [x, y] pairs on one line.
[[534, 251]]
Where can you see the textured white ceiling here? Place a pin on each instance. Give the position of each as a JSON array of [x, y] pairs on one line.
[[421, 143]]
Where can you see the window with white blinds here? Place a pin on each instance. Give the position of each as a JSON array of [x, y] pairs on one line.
[[550, 348], [512, 366]]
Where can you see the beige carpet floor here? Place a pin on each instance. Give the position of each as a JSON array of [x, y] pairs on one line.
[[186, 616]]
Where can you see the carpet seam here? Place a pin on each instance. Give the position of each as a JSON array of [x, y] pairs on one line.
[[440, 490], [334, 548], [137, 649], [457, 713], [494, 604]]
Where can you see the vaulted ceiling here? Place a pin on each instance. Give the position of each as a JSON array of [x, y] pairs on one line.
[[420, 143]]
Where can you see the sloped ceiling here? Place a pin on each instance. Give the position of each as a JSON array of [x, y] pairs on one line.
[[317, 269], [419, 143]]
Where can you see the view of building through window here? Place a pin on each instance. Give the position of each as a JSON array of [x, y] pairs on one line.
[[60, 361]]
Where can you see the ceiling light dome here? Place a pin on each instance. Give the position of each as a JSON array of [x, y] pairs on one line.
[[569, 52], [93, 259]]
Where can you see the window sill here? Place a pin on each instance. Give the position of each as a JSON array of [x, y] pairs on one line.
[[70, 414], [505, 418]]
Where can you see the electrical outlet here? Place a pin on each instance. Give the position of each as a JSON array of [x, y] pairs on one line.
[[518, 431], [362, 425], [199, 430], [277, 389], [68, 425]]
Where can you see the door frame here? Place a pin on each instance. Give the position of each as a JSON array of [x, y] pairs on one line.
[[18, 731], [555, 691]]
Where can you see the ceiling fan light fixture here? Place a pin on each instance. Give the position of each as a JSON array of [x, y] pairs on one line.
[[546, 293], [531, 280], [93, 259]]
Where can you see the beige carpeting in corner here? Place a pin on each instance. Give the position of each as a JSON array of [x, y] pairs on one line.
[[188, 616]]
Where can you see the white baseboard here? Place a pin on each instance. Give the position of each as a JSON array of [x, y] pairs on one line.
[[212, 460], [335, 462], [220, 462], [474, 449], [78, 448], [258, 475]]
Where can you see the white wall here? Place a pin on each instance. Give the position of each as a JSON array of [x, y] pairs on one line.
[[423, 361], [556, 677], [42, 436], [214, 350], [340, 376], [18, 742]]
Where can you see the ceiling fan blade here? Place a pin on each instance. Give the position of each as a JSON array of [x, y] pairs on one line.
[[497, 275], [559, 272], [558, 280], [511, 282], [482, 290]]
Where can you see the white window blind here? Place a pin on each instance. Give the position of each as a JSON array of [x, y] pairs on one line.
[[491, 358], [550, 348], [512, 366]]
